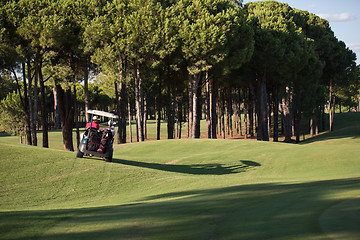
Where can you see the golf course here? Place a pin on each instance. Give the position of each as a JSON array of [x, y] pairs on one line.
[[185, 189]]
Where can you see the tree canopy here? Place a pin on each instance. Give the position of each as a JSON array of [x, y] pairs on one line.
[[176, 60]]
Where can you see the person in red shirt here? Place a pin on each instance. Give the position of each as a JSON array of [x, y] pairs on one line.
[[94, 123]]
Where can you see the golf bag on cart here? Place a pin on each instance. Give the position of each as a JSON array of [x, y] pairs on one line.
[[106, 138], [94, 137]]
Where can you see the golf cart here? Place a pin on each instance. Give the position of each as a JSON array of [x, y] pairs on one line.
[[91, 138]]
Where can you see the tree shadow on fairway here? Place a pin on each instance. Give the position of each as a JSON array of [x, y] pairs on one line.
[[254, 211], [206, 169], [4, 134], [351, 132], [346, 125]]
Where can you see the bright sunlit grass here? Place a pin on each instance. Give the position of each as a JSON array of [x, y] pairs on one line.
[[180, 189]]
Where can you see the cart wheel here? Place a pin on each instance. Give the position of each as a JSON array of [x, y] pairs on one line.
[[109, 156], [79, 154]]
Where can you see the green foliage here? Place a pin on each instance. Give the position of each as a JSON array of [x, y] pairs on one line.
[[168, 40], [100, 96], [276, 37], [204, 30], [349, 94], [6, 84], [12, 116]]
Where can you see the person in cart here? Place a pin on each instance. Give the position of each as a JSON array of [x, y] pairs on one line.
[[94, 123], [111, 126]]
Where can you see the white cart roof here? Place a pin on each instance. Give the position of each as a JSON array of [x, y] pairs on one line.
[[102, 113]]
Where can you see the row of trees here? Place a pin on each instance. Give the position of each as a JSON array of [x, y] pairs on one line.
[[181, 58]]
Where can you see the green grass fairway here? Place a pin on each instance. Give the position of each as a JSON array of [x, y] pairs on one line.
[[186, 189]]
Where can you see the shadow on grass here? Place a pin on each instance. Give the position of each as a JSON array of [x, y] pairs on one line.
[[352, 132], [207, 169], [4, 134], [346, 125], [257, 211]]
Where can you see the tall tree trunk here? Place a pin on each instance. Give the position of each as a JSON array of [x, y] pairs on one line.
[[276, 114], [158, 115], [228, 112], [170, 120], [322, 116], [22, 102], [170, 113], [253, 111], [56, 109], [124, 104], [246, 107], [212, 99], [318, 121], [311, 123], [26, 106], [139, 105], [222, 113], [76, 116], [86, 90], [31, 109], [176, 112], [120, 93], [262, 109], [35, 109], [208, 107], [190, 119], [193, 106], [332, 115], [297, 117], [66, 116], [129, 117], [197, 118], [235, 107], [179, 118], [251, 116], [44, 122], [286, 115], [269, 110], [145, 117], [121, 110], [331, 106], [239, 113]]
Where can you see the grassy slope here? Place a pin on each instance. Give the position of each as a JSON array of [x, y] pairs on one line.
[[180, 189]]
